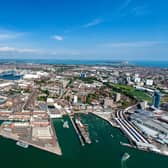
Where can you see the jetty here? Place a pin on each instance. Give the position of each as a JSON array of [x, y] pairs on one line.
[[83, 131], [77, 131]]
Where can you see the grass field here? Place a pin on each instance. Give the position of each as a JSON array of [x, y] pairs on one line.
[[132, 92]]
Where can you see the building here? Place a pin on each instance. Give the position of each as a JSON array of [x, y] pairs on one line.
[[156, 99], [137, 80], [145, 118], [30, 76], [44, 133], [128, 79], [143, 105], [50, 100], [165, 106], [65, 83], [75, 100], [54, 110], [108, 103], [82, 75], [149, 82], [117, 97]]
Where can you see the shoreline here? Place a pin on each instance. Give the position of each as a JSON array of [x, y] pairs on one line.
[[73, 62], [128, 145], [56, 151]]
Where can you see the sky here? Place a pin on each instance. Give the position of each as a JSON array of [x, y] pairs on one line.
[[84, 29]]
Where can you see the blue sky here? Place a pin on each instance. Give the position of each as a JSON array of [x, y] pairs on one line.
[[84, 29]]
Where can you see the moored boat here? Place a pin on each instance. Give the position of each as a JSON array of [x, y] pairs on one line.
[[22, 144]]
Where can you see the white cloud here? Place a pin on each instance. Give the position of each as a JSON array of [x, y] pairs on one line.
[[18, 50], [55, 52], [58, 37], [7, 34], [134, 44], [93, 23]]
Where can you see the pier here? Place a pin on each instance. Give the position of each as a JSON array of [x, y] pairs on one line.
[[77, 131], [82, 130]]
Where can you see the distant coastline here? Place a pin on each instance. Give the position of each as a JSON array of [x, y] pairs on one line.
[[158, 64]]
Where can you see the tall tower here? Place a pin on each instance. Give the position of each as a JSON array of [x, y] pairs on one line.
[[156, 99]]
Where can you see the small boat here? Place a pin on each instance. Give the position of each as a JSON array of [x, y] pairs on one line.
[[65, 125], [112, 135], [124, 159], [21, 144], [96, 141], [125, 156]]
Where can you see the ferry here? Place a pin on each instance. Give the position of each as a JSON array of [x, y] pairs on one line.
[[21, 144]]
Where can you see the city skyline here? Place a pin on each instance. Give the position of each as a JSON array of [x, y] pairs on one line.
[[84, 30]]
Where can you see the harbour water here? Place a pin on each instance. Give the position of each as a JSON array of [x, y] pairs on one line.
[[156, 64], [104, 152], [10, 77]]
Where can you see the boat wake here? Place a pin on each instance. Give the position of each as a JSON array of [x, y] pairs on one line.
[[124, 159]]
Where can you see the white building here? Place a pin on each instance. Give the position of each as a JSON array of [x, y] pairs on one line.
[[149, 82], [137, 80], [36, 75], [75, 99], [117, 97], [30, 76], [50, 100], [42, 133]]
